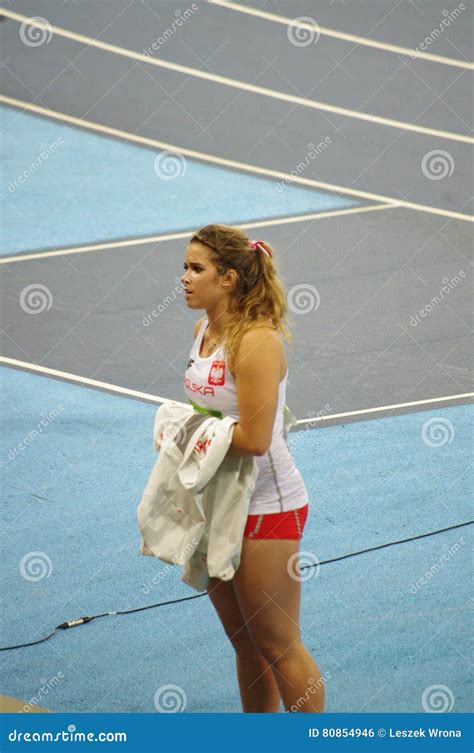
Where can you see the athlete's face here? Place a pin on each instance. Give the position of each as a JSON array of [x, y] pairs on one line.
[[201, 279]]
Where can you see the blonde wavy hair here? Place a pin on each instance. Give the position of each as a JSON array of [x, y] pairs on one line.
[[259, 293]]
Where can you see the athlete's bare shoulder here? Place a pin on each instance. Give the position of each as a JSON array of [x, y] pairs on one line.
[[262, 333]]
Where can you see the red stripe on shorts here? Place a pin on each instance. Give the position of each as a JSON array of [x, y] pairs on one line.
[[277, 525]]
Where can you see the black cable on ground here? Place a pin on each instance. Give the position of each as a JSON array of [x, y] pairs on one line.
[[83, 620]]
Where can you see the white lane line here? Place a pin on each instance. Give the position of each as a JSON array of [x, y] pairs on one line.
[[84, 380], [466, 397], [188, 233], [243, 166], [325, 31], [75, 378], [242, 85]]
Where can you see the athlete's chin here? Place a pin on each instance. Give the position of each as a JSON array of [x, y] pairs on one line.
[[192, 304]]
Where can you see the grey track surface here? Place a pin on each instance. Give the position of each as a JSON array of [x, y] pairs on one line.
[[373, 271], [358, 350], [226, 122]]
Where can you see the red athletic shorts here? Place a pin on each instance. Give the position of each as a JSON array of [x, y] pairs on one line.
[[277, 525]]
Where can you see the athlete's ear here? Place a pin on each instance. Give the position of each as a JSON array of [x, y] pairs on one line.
[[231, 277]]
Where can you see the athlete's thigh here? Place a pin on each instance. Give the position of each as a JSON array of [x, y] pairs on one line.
[[268, 591], [224, 600]]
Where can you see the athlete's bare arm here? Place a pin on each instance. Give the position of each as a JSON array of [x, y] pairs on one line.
[[257, 372]]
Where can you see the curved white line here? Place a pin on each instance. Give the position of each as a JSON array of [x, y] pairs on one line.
[[325, 31], [177, 236], [298, 179], [13, 362], [237, 84]]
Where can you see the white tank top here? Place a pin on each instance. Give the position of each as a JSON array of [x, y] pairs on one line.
[[209, 385]]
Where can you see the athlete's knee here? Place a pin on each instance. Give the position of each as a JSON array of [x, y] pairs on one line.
[[242, 642], [228, 611], [275, 647]]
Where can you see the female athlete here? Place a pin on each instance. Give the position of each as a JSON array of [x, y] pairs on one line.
[[237, 367]]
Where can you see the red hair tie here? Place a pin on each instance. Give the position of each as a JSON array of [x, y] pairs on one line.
[[259, 244]]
